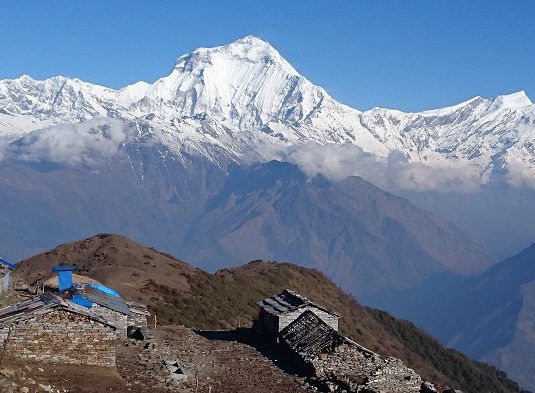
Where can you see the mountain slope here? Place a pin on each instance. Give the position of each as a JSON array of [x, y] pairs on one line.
[[364, 238], [488, 316], [499, 217], [111, 260], [182, 294], [142, 190], [501, 306]]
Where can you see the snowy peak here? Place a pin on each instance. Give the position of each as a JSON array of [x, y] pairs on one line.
[[27, 104], [243, 85], [473, 102], [132, 93], [247, 49], [513, 101]]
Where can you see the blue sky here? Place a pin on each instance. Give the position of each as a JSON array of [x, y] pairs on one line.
[[409, 55]]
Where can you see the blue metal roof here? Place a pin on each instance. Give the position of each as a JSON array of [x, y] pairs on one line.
[[43, 304], [104, 289], [65, 268], [8, 264]]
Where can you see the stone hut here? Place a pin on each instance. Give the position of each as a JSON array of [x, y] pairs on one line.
[[99, 300], [278, 311], [50, 329], [336, 361]]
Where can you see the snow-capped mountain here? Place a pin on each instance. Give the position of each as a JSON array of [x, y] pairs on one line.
[[245, 99]]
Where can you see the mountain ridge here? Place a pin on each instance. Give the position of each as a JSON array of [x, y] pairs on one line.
[[245, 99], [380, 236], [487, 315]]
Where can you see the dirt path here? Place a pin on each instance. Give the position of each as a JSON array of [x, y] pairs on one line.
[[225, 366]]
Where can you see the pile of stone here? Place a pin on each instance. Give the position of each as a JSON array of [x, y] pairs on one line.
[[393, 376], [351, 368], [347, 363]]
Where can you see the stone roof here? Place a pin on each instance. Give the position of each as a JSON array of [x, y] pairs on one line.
[[42, 304], [138, 308], [288, 301], [309, 335]]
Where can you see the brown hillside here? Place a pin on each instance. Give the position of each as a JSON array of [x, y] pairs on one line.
[[112, 260], [181, 294]]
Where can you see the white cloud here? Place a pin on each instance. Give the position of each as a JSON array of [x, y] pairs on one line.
[[519, 174], [337, 162], [72, 144]]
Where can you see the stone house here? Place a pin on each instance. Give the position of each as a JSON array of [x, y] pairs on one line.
[[50, 329], [99, 300], [321, 352], [278, 311]]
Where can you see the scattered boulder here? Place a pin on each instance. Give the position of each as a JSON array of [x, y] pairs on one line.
[[428, 387]]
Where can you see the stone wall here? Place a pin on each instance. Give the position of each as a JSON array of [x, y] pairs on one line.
[[5, 280], [269, 323], [113, 317], [61, 336], [347, 362], [139, 314], [135, 319], [287, 318]]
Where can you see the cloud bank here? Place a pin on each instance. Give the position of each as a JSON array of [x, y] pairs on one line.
[[87, 143], [337, 162], [72, 144]]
